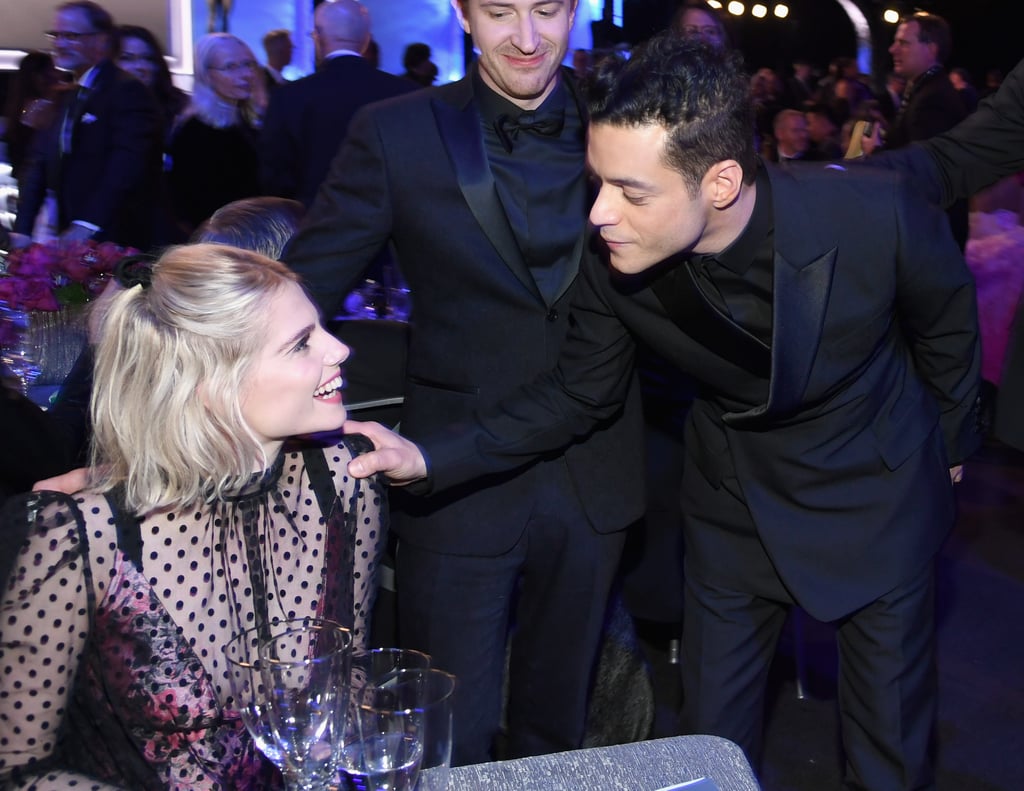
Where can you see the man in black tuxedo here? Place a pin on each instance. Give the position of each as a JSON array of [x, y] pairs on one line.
[[307, 119], [480, 187], [837, 373], [103, 156], [930, 103], [987, 146]]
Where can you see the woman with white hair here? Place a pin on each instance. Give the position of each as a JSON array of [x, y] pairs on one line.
[[199, 522], [213, 154]]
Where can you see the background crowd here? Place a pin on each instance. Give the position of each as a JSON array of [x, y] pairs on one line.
[[476, 193]]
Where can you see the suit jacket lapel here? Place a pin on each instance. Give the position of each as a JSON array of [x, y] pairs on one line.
[[690, 310], [801, 287], [459, 126], [575, 261]]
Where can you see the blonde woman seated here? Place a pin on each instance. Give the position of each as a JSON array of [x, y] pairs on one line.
[[199, 522]]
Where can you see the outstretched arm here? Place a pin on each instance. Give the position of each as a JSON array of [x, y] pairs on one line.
[[977, 152]]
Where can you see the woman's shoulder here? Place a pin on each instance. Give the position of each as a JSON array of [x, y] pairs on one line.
[[336, 454], [47, 510], [54, 520], [346, 446]]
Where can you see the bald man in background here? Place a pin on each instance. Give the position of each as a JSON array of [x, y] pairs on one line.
[[307, 119]]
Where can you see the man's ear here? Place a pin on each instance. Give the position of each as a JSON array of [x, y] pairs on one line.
[[457, 5], [723, 183]]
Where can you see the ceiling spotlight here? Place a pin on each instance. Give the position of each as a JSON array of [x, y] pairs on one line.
[[715, 4], [759, 11], [736, 8], [781, 11], [891, 15]]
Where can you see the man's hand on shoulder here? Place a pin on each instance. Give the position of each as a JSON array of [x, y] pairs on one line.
[[399, 459]]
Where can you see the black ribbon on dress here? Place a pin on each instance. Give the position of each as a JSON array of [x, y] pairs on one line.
[[508, 128]]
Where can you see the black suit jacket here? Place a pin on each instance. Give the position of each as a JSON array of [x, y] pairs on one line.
[[111, 177], [987, 146], [934, 107], [307, 119], [414, 172], [874, 376]]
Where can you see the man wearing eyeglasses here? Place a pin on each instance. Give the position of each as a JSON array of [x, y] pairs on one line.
[[102, 157]]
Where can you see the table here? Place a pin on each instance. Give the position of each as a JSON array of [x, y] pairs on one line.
[[640, 766]]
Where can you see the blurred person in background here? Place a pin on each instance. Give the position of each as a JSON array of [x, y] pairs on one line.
[[32, 103], [418, 66], [140, 54], [961, 79], [213, 149], [279, 48], [101, 158], [695, 19]]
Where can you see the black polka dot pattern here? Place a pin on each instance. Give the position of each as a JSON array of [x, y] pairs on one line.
[[135, 655]]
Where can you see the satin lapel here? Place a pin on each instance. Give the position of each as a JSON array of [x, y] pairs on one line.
[[576, 261], [802, 284], [460, 130]]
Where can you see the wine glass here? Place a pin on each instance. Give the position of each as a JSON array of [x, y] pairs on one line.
[[400, 732], [384, 741], [305, 668], [248, 692], [374, 666], [18, 356]]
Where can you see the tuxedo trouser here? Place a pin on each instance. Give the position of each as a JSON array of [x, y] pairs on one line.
[[733, 616], [459, 609]]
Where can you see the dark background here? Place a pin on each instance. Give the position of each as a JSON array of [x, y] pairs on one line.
[[986, 33]]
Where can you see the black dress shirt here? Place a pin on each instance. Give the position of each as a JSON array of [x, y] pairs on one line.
[[540, 182], [738, 280]]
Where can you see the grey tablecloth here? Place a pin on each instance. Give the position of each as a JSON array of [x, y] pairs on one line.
[[641, 766]]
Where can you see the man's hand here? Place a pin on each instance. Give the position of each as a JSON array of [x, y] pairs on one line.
[[69, 482], [399, 459], [871, 143], [956, 474]]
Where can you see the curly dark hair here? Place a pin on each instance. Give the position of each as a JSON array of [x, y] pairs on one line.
[[697, 92]]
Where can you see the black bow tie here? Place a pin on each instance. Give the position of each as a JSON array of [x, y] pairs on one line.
[[508, 128]]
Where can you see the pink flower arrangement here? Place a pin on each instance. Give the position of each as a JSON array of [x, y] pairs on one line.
[[52, 276]]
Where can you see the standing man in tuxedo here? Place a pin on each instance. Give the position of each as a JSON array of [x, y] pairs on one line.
[[952, 166], [307, 119], [480, 187], [838, 372], [930, 104], [103, 157]]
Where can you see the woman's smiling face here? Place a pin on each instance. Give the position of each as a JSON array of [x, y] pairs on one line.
[[295, 384]]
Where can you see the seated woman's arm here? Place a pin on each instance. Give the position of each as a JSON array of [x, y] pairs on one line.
[[44, 625], [34, 444]]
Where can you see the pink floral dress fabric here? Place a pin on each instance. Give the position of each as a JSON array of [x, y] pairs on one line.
[[114, 672]]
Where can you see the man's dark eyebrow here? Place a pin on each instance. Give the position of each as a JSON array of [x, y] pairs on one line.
[[628, 182]]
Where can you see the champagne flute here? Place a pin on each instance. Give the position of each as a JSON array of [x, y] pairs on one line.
[[305, 668], [248, 692]]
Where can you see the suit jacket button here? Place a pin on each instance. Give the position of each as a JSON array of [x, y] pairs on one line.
[[552, 315]]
